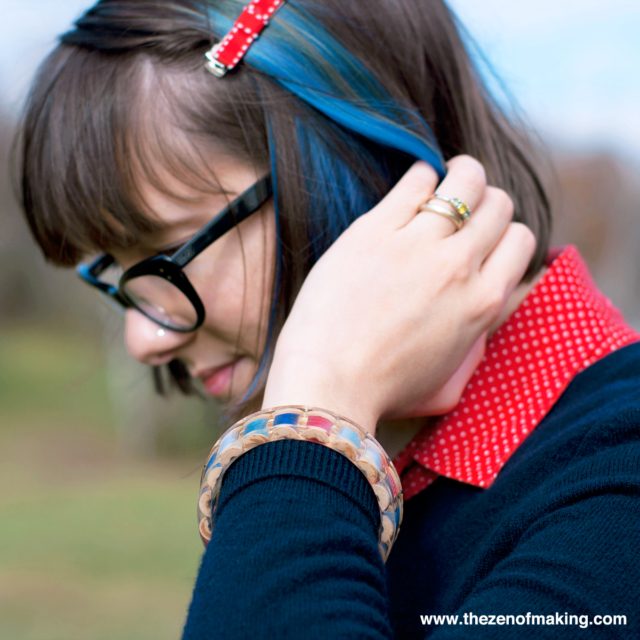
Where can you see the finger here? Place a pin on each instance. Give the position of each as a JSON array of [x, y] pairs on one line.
[[446, 224], [415, 187], [466, 181], [487, 224], [505, 266]]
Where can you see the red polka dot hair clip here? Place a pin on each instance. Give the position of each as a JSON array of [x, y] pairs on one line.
[[225, 55]]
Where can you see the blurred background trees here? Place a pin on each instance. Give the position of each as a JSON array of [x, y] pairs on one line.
[[598, 196]]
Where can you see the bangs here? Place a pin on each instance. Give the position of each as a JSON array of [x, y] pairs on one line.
[[108, 123]]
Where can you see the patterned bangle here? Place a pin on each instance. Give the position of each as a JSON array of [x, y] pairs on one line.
[[313, 425]]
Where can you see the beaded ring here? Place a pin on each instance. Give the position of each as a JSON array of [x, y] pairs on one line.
[[312, 425]]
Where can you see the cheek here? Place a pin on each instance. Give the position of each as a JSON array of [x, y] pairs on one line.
[[234, 276]]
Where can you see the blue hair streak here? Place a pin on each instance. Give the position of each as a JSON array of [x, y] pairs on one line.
[[303, 57]]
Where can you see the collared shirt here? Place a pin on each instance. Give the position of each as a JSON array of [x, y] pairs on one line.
[[564, 325]]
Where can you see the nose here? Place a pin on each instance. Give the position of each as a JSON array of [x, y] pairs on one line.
[[149, 343]]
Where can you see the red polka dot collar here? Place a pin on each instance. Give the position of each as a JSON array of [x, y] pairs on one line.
[[564, 325]]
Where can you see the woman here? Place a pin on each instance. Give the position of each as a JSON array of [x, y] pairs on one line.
[[357, 289]]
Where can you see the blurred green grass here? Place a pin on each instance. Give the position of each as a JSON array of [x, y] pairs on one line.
[[57, 372], [93, 544]]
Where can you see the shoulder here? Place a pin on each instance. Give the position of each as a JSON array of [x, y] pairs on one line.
[[609, 385], [593, 431], [603, 401]]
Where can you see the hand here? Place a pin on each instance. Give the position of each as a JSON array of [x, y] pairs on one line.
[[391, 321]]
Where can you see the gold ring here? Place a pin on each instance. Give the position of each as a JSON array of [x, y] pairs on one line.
[[457, 220], [456, 203]]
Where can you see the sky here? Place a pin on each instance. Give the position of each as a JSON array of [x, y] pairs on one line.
[[572, 66]]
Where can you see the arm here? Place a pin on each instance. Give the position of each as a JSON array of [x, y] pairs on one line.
[[294, 552]]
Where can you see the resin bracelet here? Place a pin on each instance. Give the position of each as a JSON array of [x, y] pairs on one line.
[[312, 425]]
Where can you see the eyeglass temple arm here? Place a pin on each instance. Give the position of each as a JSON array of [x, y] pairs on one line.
[[240, 209], [91, 272]]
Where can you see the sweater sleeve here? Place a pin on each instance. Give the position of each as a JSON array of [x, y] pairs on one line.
[[294, 551]]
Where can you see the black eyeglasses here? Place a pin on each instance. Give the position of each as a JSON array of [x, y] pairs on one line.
[[157, 286]]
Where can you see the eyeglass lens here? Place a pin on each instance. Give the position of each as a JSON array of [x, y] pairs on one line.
[[162, 301]]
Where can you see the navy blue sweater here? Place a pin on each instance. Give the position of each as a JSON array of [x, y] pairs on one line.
[[294, 551]]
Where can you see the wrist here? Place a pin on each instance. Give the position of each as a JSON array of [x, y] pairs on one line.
[[304, 381]]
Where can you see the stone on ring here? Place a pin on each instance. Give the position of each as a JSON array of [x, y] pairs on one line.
[[456, 203]]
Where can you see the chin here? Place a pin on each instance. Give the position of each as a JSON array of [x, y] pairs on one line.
[[232, 385]]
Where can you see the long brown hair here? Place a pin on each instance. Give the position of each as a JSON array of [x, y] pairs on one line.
[[126, 90]]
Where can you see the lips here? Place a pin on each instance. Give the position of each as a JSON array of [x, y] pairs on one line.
[[217, 381]]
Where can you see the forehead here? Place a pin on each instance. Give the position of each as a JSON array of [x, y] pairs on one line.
[[180, 206]]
